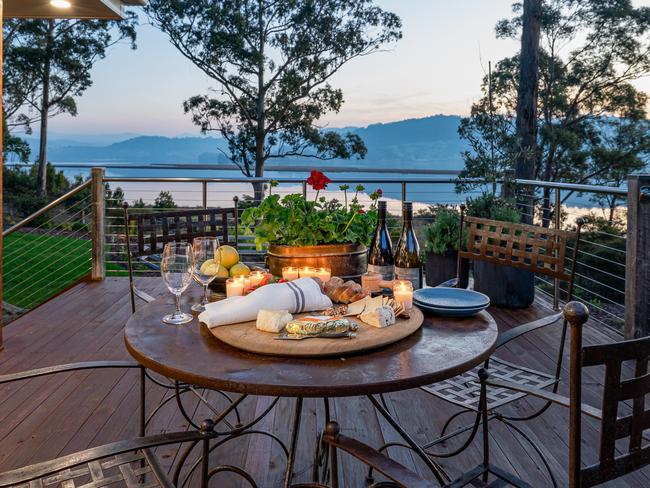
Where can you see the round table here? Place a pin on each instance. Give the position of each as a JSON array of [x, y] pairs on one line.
[[442, 348]]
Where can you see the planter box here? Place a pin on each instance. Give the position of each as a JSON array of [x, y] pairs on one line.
[[348, 261], [442, 267], [507, 287]]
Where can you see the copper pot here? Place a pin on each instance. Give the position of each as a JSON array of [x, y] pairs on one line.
[[348, 261]]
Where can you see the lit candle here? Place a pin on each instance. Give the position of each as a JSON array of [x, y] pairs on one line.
[[307, 272], [403, 293], [245, 281], [256, 278], [234, 287], [290, 273], [324, 274]]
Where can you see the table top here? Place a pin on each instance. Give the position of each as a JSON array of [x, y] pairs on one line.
[[442, 348]]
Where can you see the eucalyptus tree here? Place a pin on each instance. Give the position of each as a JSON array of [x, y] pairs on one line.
[[273, 62], [48, 63], [591, 51]]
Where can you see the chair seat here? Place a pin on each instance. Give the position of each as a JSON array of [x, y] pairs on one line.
[[133, 469], [464, 390]]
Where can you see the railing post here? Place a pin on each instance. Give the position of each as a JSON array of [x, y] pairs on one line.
[[403, 191], [204, 189], [98, 198], [637, 264], [557, 214]]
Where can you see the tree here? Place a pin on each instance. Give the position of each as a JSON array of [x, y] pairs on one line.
[[526, 125], [273, 62], [48, 64], [590, 52], [164, 200]]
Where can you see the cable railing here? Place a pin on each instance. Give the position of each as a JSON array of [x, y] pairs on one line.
[[82, 232], [48, 251]]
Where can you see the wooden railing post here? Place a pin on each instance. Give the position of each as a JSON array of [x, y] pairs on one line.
[[97, 226], [637, 265]]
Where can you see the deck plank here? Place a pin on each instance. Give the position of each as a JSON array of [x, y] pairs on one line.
[[47, 417]]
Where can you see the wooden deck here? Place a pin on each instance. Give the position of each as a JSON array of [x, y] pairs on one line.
[[43, 418]]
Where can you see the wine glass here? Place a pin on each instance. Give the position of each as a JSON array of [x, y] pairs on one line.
[[205, 266], [176, 267]]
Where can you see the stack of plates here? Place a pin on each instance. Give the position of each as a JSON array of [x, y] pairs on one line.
[[451, 302]]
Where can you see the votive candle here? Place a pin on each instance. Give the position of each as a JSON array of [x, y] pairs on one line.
[[290, 273], [256, 278], [403, 293], [234, 287], [307, 272], [324, 274]]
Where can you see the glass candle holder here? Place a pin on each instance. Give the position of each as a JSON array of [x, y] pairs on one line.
[[290, 273], [403, 293], [370, 282], [324, 274], [307, 272], [256, 278], [234, 287]]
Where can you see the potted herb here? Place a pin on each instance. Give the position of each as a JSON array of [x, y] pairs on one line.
[[302, 232], [506, 286], [441, 248]]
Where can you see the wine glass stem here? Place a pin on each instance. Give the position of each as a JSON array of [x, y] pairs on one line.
[[178, 303], [206, 300]]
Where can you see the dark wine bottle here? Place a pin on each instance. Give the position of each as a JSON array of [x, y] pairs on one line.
[[408, 266], [381, 258]]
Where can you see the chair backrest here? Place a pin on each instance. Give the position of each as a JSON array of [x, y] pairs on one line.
[[619, 386], [155, 229], [529, 247]]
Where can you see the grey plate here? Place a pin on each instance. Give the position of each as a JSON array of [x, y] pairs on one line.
[[451, 312], [451, 298]]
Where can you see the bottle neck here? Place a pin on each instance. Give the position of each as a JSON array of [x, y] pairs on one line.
[[407, 214], [381, 213]]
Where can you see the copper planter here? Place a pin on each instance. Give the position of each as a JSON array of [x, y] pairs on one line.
[[348, 261]]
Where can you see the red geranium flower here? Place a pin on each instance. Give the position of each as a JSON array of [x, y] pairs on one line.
[[361, 211], [318, 180]]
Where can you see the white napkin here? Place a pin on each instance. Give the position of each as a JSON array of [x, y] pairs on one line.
[[303, 295]]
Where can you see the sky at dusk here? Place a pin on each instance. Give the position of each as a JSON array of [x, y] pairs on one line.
[[436, 68]]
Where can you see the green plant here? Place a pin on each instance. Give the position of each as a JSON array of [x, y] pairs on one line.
[[489, 206], [296, 221], [442, 235]]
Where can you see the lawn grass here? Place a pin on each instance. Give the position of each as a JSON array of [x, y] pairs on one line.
[[37, 267]]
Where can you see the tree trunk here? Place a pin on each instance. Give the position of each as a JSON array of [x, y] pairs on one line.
[[527, 97], [41, 185], [260, 135]]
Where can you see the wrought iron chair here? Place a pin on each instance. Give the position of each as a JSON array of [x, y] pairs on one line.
[[155, 229], [617, 388], [131, 462], [528, 247]]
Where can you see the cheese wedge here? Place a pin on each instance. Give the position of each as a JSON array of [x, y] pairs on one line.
[[379, 317], [358, 307], [272, 320]]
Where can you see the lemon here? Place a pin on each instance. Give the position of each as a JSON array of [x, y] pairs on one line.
[[210, 267], [228, 256], [222, 272], [240, 269]]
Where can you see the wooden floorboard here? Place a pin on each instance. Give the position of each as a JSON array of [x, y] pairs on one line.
[[47, 417]]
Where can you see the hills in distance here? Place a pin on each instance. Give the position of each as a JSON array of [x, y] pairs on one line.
[[418, 142]]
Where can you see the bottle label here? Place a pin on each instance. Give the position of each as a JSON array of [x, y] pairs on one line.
[[387, 272], [409, 274]]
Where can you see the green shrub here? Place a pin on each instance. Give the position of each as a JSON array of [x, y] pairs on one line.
[[442, 235], [489, 206]]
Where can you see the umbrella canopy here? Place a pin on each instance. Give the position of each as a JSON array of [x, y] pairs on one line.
[[63, 9]]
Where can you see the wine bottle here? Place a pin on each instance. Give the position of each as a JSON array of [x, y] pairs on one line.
[[408, 266], [381, 258]]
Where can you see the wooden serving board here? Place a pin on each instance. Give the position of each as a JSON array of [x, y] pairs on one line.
[[246, 337]]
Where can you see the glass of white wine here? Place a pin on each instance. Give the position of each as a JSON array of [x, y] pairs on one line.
[[176, 268], [206, 266]]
